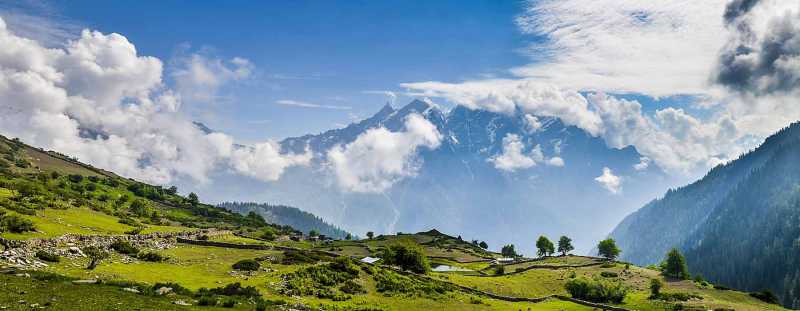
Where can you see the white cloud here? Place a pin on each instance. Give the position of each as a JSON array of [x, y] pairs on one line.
[[555, 161], [514, 157], [198, 77], [608, 180], [53, 97], [658, 48], [378, 158], [297, 103], [644, 163], [265, 162], [532, 124]]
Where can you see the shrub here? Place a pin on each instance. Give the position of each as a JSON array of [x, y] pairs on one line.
[[247, 265], [319, 280], [721, 287], [353, 288], [135, 230], [75, 178], [608, 265], [596, 290], [233, 289], [206, 301], [229, 303], [407, 256], [608, 274], [95, 255], [389, 282], [655, 288], [298, 257], [49, 257], [500, 270], [765, 296], [124, 247], [16, 224], [475, 300], [151, 256]]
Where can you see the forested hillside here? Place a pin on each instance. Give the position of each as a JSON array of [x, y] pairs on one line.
[[739, 225], [289, 216]]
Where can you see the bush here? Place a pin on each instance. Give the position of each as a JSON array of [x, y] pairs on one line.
[[721, 287], [124, 247], [206, 301], [655, 288], [151, 256], [765, 296], [319, 280], [247, 265], [407, 256], [608, 274], [353, 288], [49, 257], [229, 303], [596, 290], [233, 289], [500, 270], [16, 224], [389, 282]]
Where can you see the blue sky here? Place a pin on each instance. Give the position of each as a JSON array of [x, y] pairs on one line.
[[320, 52], [634, 73]]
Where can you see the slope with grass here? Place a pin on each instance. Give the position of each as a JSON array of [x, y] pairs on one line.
[[59, 216]]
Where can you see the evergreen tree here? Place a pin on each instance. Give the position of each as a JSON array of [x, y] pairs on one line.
[[483, 245], [676, 265], [508, 251], [370, 235]]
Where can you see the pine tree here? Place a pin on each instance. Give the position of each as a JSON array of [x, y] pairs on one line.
[[676, 265]]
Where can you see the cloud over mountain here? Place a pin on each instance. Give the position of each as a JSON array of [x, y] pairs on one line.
[[98, 100], [379, 158]]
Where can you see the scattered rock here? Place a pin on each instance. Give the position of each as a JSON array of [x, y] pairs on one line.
[[164, 290], [131, 289], [181, 303], [23, 275]]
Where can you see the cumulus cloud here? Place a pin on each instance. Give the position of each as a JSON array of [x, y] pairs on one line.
[[98, 100], [198, 77], [532, 124], [609, 181], [514, 156], [379, 158]]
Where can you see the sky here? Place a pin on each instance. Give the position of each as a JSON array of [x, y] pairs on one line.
[[333, 54], [689, 84]]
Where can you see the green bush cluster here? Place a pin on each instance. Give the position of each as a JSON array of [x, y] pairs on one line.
[[124, 247], [233, 289], [408, 256], [765, 296], [152, 257], [46, 256], [596, 290], [247, 265], [390, 282], [609, 274], [321, 280], [15, 224]]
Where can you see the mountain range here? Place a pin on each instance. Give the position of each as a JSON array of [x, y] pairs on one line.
[[739, 225], [457, 187]]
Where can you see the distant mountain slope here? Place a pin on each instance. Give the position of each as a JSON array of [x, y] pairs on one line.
[[287, 215], [739, 225], [458, 189]]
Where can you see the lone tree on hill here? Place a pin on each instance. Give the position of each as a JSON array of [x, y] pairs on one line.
[[544, 246], [483, 245], [608, 249], [565, 245], [370, 235], [193, 199], [95, 255], [675, 265], [508, 251]]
